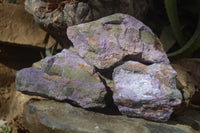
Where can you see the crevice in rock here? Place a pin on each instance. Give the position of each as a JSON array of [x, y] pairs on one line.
[[73, 103], [107, 73], [138, 58], [18, 56], [111, 108]]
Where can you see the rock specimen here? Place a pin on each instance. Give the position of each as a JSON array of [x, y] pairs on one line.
[[185, 82], [81, 11], [51, 116], [143, 81], [64, 76], [112, 39], [147, 91], [88, 10]]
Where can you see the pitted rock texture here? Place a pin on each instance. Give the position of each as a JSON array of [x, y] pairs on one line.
[[93, 9], [146, 91], [64, 76], [113, 39], [82, 11]]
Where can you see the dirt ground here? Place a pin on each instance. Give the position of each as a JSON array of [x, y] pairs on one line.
[[7, 85], [12, 58], [7, 91]]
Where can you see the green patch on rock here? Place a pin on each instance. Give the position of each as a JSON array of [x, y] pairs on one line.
[[116, 29], [147, 37], [61, 59], [90, 55], [55, 70], [42, 88], [68, 90], [88, 29], [92, 48], [78, 74], [113, 18]]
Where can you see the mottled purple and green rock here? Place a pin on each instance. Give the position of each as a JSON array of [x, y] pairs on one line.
[[143, 82], [64, 76], [115, 38], [147, 91]]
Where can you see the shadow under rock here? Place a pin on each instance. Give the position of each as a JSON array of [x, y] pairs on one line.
[[111, 108], [19, 56]]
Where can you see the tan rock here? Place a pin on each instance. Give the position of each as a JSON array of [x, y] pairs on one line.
[[18, 26]]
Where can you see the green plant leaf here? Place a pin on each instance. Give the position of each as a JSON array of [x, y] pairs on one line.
[[48, 52], [192, 45], [195, 46], [171, 8], [5, 130], [167, 38]]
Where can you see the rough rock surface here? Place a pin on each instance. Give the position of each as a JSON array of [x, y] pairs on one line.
[[83, 73], [147, 91], [43, 117], [64, 76], [185, 82], [115, 38], [81, 12], [88, 10]]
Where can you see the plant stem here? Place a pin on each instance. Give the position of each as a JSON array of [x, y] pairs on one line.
[[193, 44], [171, 8]]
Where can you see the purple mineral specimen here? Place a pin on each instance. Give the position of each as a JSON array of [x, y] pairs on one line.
[[64, 76], [110, 40], [146, 91]]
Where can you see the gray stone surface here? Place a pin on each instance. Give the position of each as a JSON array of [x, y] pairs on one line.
[[93, 9], [64, 76], [164, 129], [112, 39], [43, 117], [147, 91], [56, 23]]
